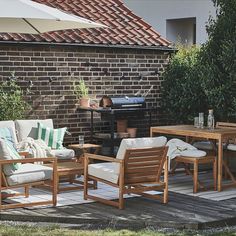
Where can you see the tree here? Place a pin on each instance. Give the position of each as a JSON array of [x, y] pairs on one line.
[[198, 80], [218, 61]]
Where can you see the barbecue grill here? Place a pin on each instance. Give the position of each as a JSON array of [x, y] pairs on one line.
[[118, 108]]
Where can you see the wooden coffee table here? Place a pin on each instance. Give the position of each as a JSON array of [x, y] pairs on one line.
[[66, 172]]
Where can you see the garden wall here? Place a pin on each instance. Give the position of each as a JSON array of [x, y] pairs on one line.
[[107, 71]]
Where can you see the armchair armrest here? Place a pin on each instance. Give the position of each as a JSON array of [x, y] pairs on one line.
[[102, 158], [28, 160]]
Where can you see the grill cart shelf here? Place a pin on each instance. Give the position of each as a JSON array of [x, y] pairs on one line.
[[112, 114]]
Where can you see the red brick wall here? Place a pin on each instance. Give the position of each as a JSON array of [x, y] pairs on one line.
[[67, 64]]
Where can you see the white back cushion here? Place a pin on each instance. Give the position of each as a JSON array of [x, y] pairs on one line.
[[140, 143], [29, 128], [9, 124]]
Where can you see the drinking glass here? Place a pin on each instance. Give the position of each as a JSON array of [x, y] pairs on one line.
[[196, 122], [201, 120], [81, 140]]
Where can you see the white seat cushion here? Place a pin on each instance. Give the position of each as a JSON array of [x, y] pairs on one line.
[[63, 154], [106, 171], [193, 153], [139, 143], [231, 147], [10, 124], [29, 128], [28, 173]]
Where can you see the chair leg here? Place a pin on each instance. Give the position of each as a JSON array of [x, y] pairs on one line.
[[165, 191], [85, 179], [121, 187], [215, 174], [95, 184], [0, 188], [173, 169], [55, 183], [121, 198], [195, 176], [26, 191]]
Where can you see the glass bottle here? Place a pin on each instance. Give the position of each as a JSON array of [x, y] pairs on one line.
[[210, 120]]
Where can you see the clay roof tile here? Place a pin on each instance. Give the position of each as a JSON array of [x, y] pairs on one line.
[[124, 27]]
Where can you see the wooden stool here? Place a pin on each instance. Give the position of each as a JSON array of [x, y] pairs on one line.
[[196, 161]]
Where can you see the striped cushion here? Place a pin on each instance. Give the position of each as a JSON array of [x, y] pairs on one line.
[[7, 134], [52, 137]]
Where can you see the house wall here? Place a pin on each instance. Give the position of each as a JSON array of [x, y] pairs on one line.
[[157, 12], [65, 65]]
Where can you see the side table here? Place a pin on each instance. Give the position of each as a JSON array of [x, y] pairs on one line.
[[86, 148], [70, 170]]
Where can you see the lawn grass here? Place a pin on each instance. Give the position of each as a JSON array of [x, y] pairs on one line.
[[26, 230]]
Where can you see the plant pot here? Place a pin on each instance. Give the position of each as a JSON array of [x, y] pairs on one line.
[[121, 126], [84, 102], [132, 132]]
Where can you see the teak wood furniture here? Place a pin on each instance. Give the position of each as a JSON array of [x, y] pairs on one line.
[[4, 185], [217, 135], [68, 171], [196, 161], [138, 169], [229, 153], [87, 147]]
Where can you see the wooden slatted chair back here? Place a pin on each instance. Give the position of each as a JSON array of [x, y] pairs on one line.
[[144, 165], [226, 125]]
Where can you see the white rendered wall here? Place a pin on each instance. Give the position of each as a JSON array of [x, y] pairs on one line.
[[156, 12]]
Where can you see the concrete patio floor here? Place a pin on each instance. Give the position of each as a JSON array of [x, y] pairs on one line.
[[182, 212]]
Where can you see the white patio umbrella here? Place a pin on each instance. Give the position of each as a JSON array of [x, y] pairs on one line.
[[25, 16]]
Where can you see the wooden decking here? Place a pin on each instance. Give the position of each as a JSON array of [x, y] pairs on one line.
[[182, 211]]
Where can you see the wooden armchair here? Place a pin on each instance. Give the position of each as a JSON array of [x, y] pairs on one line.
[[27, 175], [137, 171]]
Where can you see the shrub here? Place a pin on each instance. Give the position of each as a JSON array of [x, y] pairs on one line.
[[182, 94], [12, 104], [200, 79]]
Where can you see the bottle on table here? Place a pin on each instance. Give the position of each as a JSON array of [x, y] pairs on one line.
[[210, 120]]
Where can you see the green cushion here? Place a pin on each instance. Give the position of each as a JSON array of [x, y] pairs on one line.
[[52, 137], [8, 152]]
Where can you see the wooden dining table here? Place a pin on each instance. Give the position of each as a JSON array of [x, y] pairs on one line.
[[217, 135]]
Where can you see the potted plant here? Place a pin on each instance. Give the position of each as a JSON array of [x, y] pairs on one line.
[[81, 91]]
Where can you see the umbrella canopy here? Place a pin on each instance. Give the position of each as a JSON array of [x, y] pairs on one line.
[[25, 16]]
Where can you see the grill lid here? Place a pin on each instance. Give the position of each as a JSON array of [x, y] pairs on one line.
[[123, 102]]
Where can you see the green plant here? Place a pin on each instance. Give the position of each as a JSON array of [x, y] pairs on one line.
[[81, 90], [182, 94], [12, 103], [217, 61]]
